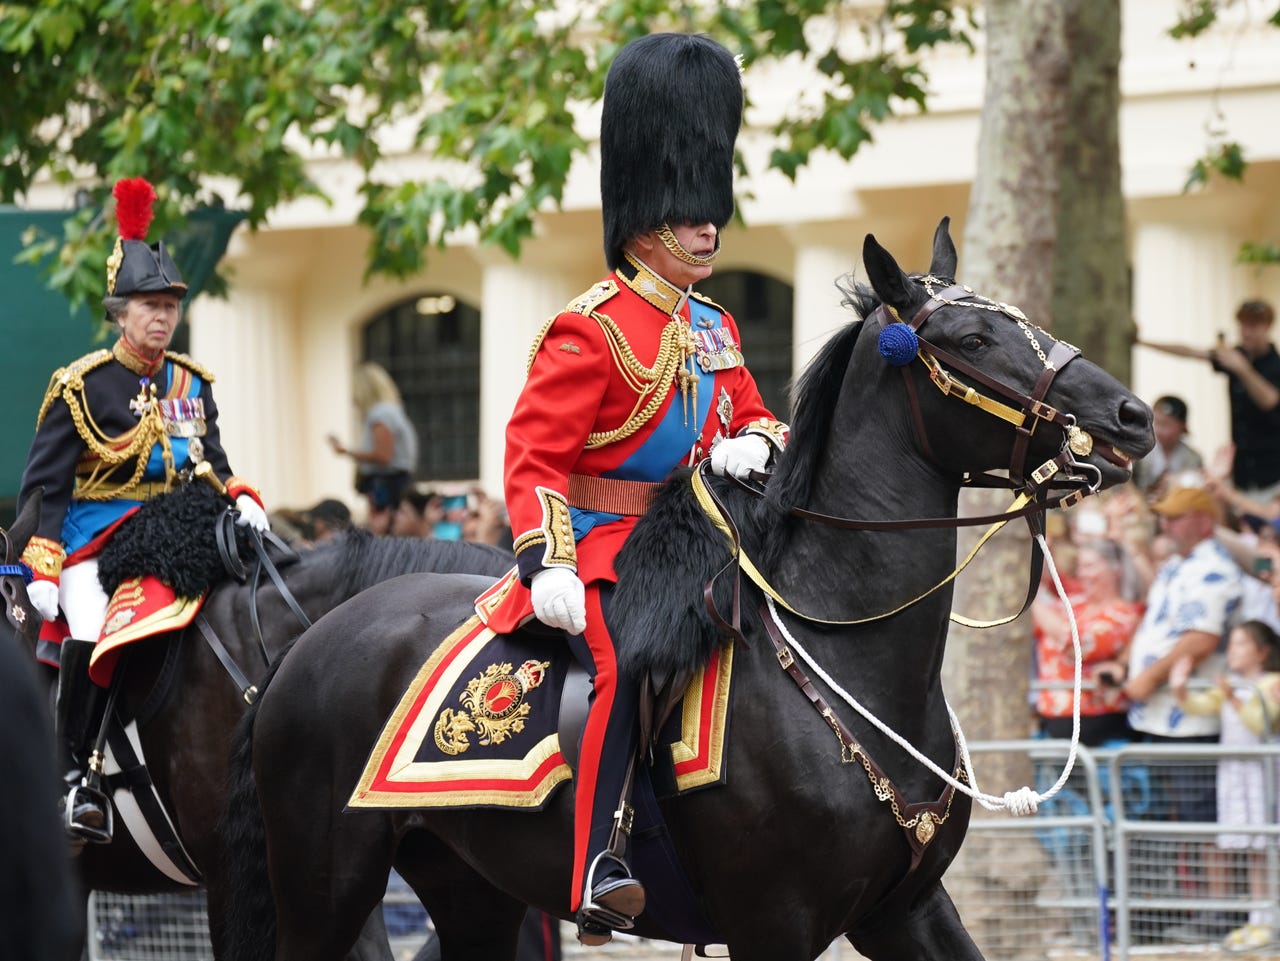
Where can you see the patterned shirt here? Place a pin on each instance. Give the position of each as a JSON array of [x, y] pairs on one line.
[[1201, 592], [1105, 629]]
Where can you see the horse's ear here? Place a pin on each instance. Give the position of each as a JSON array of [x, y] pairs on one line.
[[944, 251], [26, 523], [887, 279]]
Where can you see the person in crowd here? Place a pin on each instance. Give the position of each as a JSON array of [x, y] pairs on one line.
[[388, 451], [1249, 511], [1193, 602], [419, 512], [1132, 525], [116, 427], [486, 520], [1172, 455], [1252, 368], [1244, 701], [1105, 623], [326, 520], [637, 376]]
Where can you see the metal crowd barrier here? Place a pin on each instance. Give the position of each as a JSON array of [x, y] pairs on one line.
[[1102, 871]]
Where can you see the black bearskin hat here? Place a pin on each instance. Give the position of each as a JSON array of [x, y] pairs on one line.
[[672, 108], [136, 267]]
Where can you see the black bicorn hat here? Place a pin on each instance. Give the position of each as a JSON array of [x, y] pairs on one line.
[[136, 267], [672, 109]]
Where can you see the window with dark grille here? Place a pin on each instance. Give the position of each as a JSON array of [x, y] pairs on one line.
[[761, 306], [430, 345]]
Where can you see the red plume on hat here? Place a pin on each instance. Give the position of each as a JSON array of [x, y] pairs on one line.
[[134, 197], [134, 265]]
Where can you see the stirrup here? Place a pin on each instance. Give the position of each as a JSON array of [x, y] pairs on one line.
[[81, 796], [613, 902]]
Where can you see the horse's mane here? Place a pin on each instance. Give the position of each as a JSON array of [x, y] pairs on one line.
[[811, 401], [366, 559], [675, 549]]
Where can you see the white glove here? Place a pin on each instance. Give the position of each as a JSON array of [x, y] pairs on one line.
[[43, 596], [251, 513], [739, 456], [559, 599]]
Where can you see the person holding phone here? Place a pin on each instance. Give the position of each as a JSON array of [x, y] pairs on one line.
[[1105, 621]]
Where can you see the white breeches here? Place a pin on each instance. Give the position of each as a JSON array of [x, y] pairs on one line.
[[83, 600]]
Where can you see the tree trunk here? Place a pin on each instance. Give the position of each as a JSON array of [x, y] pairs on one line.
[[1009, 248], [1092, 302], [1045, 231]]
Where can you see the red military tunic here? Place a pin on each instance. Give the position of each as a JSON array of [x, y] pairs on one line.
[[618, 388]]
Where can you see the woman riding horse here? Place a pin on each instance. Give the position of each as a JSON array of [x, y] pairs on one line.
[[116, 427], [636, 376]]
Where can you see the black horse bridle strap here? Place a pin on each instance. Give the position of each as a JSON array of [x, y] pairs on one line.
[[919, 821], [248, 691], [264, 562]]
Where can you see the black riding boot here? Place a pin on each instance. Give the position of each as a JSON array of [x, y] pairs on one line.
[[80, 709]]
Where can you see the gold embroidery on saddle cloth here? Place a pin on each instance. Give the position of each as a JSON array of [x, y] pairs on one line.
[[495, 707]]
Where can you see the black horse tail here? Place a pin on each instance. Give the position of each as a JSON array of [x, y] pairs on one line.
[[249, 923]]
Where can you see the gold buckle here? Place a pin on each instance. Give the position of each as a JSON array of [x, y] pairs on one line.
[[1044, 473], [785, 658], [1043, 411]]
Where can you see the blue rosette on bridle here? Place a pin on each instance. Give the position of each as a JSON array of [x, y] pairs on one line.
[[898, 344]]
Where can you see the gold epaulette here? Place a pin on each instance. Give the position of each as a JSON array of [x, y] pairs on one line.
[[585, 304], [71, 376], [703, 298], [191, 365], [596, 295]]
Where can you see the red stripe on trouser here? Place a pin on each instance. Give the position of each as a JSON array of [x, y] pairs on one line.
[[604, 687]]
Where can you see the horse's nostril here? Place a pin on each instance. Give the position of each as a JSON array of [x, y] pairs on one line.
[[1134, 413]]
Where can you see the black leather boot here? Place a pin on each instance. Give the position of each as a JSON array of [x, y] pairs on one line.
[[614, 900], [81, 704]]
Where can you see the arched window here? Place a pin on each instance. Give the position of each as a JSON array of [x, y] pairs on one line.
[[430, 345], [761, 306]]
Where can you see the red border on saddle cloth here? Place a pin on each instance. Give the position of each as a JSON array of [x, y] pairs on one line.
[[393, 778], [140, 607]]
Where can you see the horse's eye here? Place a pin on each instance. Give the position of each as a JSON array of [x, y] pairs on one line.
[[973, 342]]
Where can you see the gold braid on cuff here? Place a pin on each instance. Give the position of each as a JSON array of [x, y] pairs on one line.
[[44, 556]]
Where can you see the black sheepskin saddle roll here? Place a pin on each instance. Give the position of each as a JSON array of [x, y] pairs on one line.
[[171, 537], [658, 617]]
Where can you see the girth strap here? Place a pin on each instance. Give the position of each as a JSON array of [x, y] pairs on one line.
[[134, 774]]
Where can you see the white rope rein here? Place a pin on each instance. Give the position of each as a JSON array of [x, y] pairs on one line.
[[1025, 800]]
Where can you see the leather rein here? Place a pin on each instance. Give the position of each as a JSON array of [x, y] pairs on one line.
[[224, 531]]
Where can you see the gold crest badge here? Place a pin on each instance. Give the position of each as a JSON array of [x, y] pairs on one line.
[[494, 707]]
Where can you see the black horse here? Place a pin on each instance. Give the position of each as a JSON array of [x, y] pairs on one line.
[[186, 703], [798, 848]]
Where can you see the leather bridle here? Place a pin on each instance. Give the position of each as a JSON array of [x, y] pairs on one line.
[[1033, 489]]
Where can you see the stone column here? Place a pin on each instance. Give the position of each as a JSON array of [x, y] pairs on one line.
[[517, 300], [1186, 287], [821, 256]]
